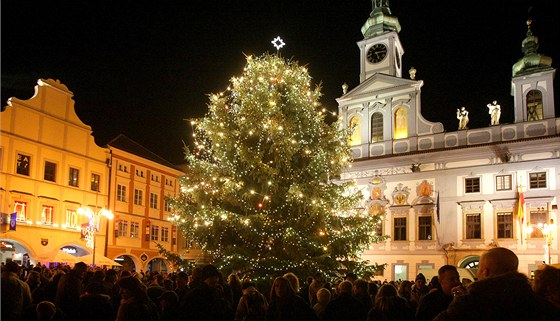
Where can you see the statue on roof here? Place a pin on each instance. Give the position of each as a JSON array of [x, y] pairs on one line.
[[495, 112], [463, 117]]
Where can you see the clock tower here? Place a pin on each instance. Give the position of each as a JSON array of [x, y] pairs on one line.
[[380, 50]]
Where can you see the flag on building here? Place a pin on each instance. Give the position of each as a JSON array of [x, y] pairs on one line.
[[437, 207], [13, 220], [520, 205]]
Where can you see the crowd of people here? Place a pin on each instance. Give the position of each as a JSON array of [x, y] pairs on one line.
[[82, 293]]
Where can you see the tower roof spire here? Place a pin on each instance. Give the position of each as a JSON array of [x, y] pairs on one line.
[[531, 60], [380, 20]]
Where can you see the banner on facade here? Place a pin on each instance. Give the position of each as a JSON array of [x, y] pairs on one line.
[[13, 220]]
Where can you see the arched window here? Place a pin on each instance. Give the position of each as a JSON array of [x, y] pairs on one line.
[[401, 123], [534, 105], [356, 124], [376, 127]]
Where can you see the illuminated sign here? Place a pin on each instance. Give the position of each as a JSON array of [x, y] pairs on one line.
[[69, 249]]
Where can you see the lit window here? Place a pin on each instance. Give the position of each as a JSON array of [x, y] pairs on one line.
[[534, 105], [22, 164], [50, 171], [473, 226], [537, 180], [47, 215], [71, 218], [95, 179], [356, 125], [472, 185], [73, 177], [503, 183], [537, 218], [21, 209], [401, 123]]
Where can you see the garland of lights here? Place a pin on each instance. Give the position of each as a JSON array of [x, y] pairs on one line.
[[259, 195]]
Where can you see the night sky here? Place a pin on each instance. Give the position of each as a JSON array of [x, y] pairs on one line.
[[142, 67]]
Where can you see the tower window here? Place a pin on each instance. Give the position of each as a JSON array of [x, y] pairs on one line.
[[534, 105]]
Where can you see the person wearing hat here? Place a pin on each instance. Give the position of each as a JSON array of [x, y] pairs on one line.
[[419, 290]]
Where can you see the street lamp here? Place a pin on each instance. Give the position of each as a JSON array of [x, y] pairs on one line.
[[93, 225], [548, 234]]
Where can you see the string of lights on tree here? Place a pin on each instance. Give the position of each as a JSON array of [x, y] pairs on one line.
[[260, 194]]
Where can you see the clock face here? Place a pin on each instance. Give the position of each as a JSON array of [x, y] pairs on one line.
[[377, 53]]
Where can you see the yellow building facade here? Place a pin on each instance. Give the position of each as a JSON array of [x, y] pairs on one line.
[[50, 168], [140, 184]]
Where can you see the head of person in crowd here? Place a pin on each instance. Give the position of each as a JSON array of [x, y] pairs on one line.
[[111, 276], [405, 289], [210, 276], [547, 284], [323, 296], [130, 288], [45, 310], [448, 277], [360, 287], [351, 277], [420, 281], [294, 281], [11, 267], [497, 261], [385, 293], [434, 282], [168, 300], [345, 287], [182, 279], [281, 290]]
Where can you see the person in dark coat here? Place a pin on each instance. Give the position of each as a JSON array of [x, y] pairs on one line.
[[135, 304], [436, 301], [16, 295], [345, 307], [207, 301], [95, 304], [286, 305], [69, 289], [389, 306]]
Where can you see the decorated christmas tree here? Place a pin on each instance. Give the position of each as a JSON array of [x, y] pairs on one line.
[[261, 193]]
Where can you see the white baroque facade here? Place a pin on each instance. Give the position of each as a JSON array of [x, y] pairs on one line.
[[448, 196]]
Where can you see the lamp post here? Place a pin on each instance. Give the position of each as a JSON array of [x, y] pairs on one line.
[[94, 219], [548, 234]]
